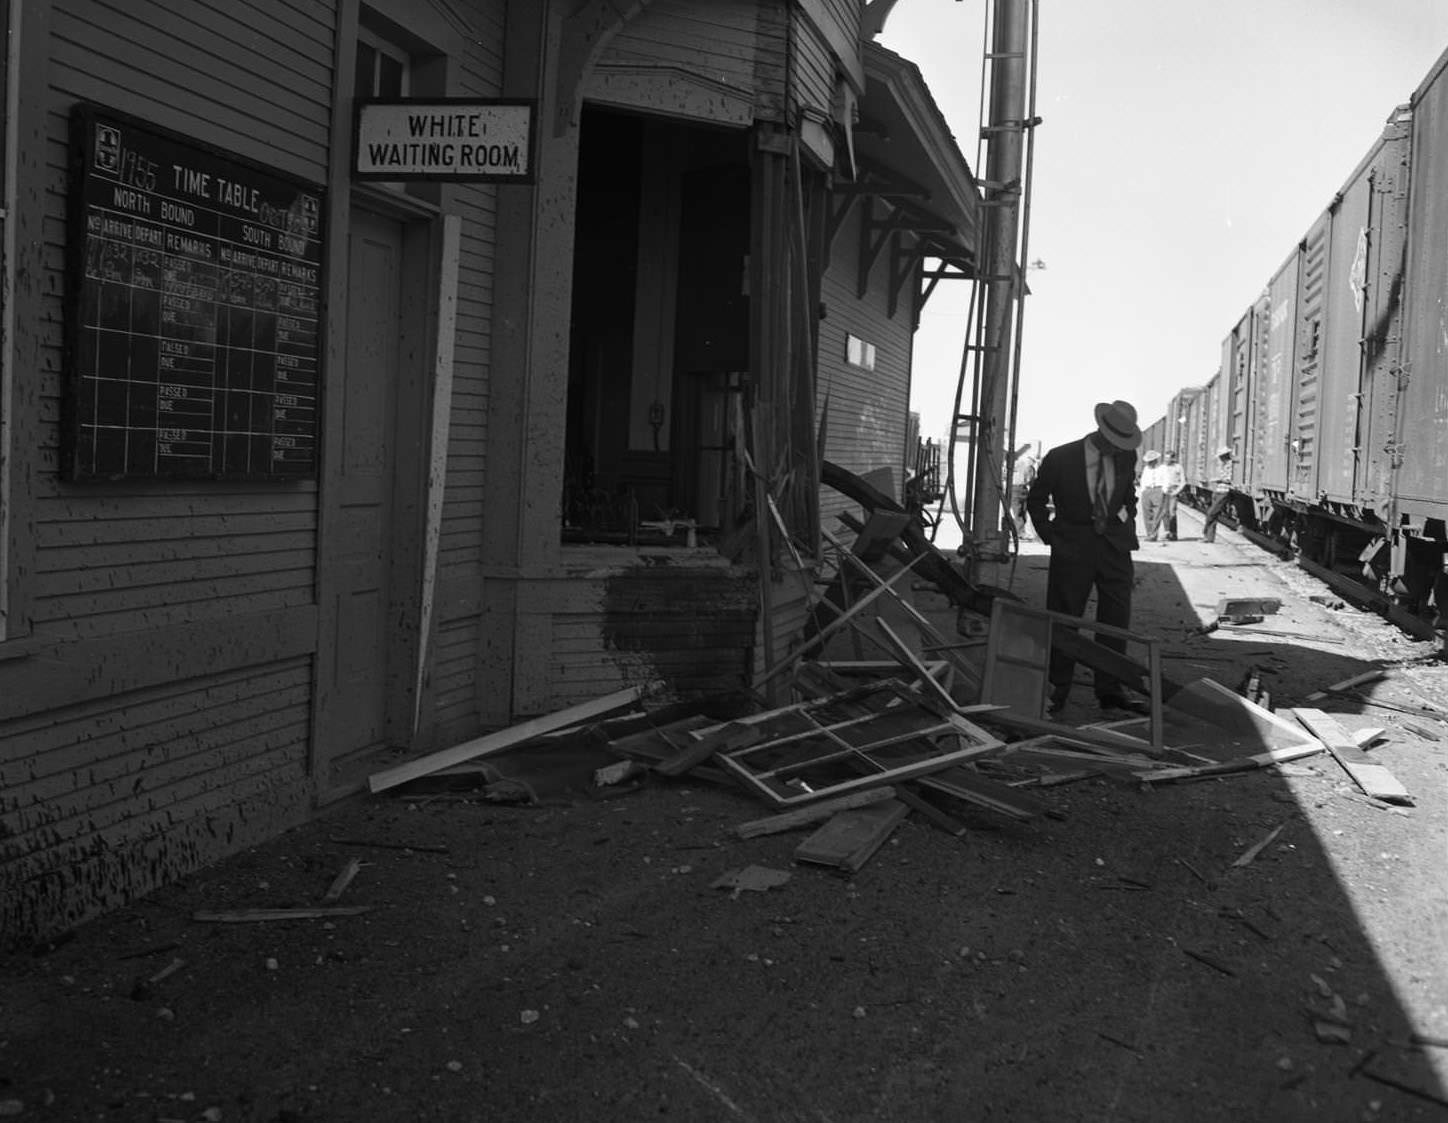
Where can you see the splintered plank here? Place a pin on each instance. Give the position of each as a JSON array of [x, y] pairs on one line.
[[971, 787], [813, 813], [1374, 779], [506, 738], [851, 838], [725, 739]]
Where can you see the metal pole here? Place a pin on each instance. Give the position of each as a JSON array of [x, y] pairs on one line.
[[1028, 171], [1005, 132]]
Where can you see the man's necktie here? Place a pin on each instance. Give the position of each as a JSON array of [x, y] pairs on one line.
[[1102, 500]]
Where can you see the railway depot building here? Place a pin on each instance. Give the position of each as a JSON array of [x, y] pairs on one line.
[[379, 374]]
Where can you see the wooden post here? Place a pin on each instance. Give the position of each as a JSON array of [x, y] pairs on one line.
[[769, 356]]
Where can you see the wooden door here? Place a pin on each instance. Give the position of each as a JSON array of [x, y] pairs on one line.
[[355, 670]]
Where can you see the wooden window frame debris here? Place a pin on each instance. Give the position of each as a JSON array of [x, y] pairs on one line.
[[1001, 657], [794, 735]]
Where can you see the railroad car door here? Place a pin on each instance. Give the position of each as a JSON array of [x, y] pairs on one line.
[[1422, 479], [1307, 366], [1382, 327], [1274, 380]]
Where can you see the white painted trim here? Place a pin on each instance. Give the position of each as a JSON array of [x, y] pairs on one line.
[[447, 309]]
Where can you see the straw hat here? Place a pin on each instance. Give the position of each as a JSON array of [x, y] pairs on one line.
[[1152, 457], [1225, 450], [1116, 421]]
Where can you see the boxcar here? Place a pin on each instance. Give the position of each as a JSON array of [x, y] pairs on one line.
[[1274, 395], [1333, 385]]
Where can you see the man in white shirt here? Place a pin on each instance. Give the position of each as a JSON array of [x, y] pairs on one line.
[[1153, 493], [1175, 480]]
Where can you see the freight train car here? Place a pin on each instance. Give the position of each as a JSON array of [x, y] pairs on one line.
[[1332, 387]]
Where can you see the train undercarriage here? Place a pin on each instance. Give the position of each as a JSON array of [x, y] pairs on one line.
[[1398, 570]]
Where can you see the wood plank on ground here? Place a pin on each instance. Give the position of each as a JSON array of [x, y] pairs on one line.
[[850, 838], [812, 813], [727, 738], [1374, 779], [507, 738]]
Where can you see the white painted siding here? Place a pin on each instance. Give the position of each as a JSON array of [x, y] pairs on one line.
[[868, 410]]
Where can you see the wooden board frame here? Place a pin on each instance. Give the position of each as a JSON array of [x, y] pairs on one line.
[[1037, 661], [972, 741]]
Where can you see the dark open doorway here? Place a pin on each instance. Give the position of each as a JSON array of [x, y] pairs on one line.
[[659, 337]]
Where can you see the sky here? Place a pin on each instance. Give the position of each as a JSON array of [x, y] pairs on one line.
[[1185, 149]]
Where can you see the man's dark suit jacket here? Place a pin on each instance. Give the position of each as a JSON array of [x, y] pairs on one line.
[[1061, 479]]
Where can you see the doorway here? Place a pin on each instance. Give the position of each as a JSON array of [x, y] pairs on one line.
[[659, 338], [358, 658]]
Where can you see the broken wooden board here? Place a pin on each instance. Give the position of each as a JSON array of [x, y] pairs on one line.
[[917, 803], [928, 631], [650, 746], [814, 643], [506, 738], [1095, 736], [850, 838], [1227, 767], [1347, 684], [911, 661], [1374, 779], [981, 791], [342, 880], [255, 916], [732, 736], [1056, 751], [812, 813]]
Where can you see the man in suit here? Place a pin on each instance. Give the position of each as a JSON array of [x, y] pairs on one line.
[[1083, 505]]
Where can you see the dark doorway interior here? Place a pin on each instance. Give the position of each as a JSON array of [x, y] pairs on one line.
[[659, 337]]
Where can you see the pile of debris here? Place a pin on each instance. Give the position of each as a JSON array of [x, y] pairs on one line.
[[929, 727]]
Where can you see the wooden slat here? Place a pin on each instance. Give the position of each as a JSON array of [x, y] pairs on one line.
[[731, 737], [813, 813], [506, 738], [850, 838], [1374, 779]]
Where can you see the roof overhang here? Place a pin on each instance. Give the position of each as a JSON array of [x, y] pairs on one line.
[[905, 155]]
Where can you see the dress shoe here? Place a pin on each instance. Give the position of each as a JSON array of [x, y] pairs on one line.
[[1057, 701]]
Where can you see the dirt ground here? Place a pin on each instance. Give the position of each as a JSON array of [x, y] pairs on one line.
[[571, 961]]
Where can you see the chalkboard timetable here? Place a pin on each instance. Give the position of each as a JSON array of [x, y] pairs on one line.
[[194, 318]]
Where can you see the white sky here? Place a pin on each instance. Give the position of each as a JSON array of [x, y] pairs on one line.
[[1186, 147]]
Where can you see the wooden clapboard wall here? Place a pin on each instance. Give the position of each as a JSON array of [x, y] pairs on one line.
[[684, 58], [609, 620], [162, 719], [868, 410]]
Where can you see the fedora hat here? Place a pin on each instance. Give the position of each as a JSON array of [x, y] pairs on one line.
[[1116, 421]]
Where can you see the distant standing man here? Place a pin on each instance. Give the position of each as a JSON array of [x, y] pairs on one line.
[[1175, 480], [1091, 484], [1023, 474], [1221, 482], [1153, 494]]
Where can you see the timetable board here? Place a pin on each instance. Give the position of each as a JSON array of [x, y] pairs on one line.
[[195, 303]]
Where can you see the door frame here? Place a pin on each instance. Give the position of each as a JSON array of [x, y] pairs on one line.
[[412, 397]]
